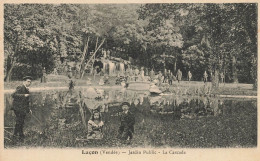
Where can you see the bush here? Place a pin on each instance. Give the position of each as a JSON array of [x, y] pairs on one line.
[[23, 70]]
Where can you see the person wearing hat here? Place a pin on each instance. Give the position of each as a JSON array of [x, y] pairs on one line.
[[205, 77], [44, 75], [126, 129], [21, 106], [189, 76]]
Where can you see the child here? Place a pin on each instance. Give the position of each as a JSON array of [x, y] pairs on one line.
[[101, 81], [106, 79], [127, 119], [89, 81], [118, 79], [95, 125]]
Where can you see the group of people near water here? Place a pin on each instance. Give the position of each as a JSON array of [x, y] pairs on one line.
[[134, 74], [21, 108], [167, 76], [95, 124]]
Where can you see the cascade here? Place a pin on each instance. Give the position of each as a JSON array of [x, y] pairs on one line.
[[111, 68], [105, 67], [121, 68]]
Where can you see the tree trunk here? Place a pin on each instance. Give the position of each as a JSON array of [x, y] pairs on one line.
[[164, 61], [92, 57], [234, 69], [92, 68], [8, 67], [175, 65], [82, 67], [9, 73], [12, 61], [215, 79]]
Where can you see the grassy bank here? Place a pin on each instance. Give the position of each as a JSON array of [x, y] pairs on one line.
[[151, 130]]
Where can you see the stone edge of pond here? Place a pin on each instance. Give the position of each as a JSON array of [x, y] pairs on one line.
[[114, 87], [63, 88]]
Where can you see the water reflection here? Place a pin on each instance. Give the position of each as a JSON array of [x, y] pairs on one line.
[[91, 99], [66, 114]]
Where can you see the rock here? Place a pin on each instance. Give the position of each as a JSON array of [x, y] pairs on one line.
[[91, 93]]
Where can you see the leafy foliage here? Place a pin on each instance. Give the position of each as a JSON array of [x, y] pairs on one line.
[[198, 37]]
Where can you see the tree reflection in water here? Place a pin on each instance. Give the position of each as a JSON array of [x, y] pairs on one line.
[[170, 120]]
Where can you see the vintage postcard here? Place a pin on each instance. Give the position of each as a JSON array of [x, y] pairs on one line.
[[129, 80]]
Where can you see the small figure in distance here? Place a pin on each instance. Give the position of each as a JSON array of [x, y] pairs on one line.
[[205, 77], [43, 78], [142, 73], [222, 77], [152, 75], [69, 72], [136, 73], [171, 78], [89, 81], [160, 77], [55, 72], [189, 76], [179, 75]]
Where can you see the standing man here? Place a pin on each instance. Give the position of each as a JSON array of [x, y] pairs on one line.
[[189, 76], [222, 77], [152, 74], [160, 77], [179, 75], [21, 106], [165, 75], [136, 73], [205, 77], [69, 72], [171, 78], [146, 72], [43, 79], [168, 76], [131, 74], [142, 73]]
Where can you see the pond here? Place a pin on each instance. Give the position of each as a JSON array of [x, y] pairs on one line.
[[60, 120]]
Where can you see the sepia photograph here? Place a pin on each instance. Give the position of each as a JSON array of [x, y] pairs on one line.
[[104, 77]]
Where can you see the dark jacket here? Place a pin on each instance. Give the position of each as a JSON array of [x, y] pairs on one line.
[[127, 121], [21, 103]]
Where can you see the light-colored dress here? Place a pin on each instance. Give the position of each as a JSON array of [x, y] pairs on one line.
[[95, 130]]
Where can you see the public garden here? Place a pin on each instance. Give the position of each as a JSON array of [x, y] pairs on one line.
[[188, 71]]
